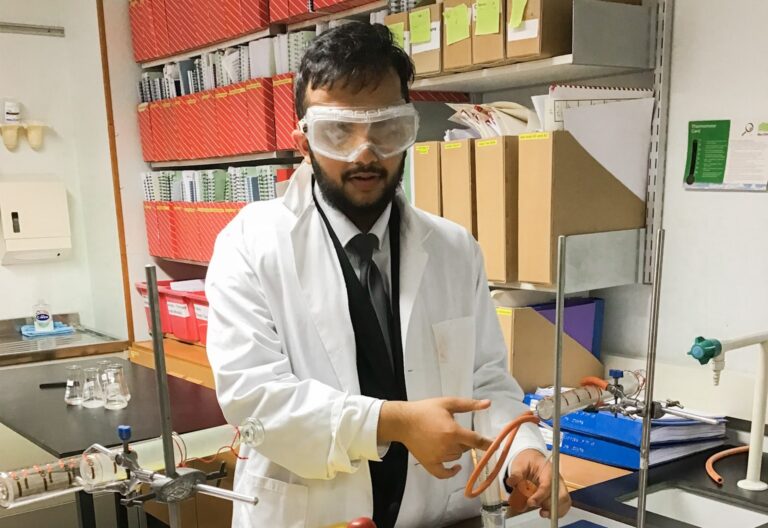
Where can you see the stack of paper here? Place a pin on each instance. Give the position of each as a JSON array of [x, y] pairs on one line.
[[377, 17], [298, 43], [489, 120], [192, 186], [280, 52], [551, 108], [262, 58], [214, 181]]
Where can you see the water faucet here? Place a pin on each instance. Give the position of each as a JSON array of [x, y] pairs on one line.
[[706, 350]]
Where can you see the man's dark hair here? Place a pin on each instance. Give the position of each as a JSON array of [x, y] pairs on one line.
[[356, 55]]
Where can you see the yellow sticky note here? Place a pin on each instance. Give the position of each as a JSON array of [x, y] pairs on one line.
[[488, 14], [516, 16], [420, 24], [398, 33], [456, 23]]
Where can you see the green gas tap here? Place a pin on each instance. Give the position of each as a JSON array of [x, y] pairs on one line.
[[705, 349]]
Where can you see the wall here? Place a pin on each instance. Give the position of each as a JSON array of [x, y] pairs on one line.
[[58, 81], [714, 278], [714, 273]]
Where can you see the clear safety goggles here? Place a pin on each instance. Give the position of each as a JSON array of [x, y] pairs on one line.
[[344, 133]]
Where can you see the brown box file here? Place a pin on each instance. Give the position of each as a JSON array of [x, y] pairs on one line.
[[457, 181], [496, 183], [546, 30], [530, 340], [488, 49], [426, 177], [457, 56], [427, 57], [400, 18], [564, 191]]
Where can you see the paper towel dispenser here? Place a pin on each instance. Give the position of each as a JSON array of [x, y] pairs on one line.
[[34, 222]]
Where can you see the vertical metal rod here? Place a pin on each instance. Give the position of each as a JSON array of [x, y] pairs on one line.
[[160, 372], [650, 374], [559, 313], [174, 515]]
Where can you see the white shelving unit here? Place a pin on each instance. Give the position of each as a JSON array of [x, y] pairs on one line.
[[521, 74], [288, 156], [596, 261]]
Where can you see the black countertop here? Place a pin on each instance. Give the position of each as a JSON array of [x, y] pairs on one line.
[[688, 474], [41, 416]]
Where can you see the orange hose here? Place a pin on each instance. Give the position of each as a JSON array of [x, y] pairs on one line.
[[509, 432], [593, 380], [710, 465]]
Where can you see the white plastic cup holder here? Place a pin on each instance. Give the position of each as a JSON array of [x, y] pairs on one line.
[[35, 132], [10, 133]]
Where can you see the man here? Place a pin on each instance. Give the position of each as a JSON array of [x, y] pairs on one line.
[[357, 329]]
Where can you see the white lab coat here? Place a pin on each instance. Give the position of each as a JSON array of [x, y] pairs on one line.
[[282, 349]]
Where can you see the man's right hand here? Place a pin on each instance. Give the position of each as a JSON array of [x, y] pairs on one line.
[[428, 430]]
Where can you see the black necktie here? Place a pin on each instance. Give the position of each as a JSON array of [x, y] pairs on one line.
[[370, 277]]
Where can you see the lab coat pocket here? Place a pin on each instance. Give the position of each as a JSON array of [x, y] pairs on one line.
[[280, 504], [455, 343]]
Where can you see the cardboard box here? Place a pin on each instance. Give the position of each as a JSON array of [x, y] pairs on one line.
[[397, 24], [457, 181], [194, 132], [285, 111], [225, 141], [145, 131], [496, 182], [240, 129], [564, 191], [261, 120], [426, 177], [255, 14], [545, 30], [490, 47], [279, 11], [208, 138], [530, 340], [457, 55], [161, 37], [427, 56]]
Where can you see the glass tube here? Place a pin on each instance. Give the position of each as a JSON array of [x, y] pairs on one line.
[[37, 480]]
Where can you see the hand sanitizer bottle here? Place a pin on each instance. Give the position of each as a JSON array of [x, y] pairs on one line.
[[43, 319]]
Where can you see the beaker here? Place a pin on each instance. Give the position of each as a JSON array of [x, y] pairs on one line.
[[116, 393], [73, 394], [93, 396]]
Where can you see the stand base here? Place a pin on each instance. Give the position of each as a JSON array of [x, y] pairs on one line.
[[753, 485]]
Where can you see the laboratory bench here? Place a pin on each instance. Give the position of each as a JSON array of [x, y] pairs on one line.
[[16, 349], [42, 417]]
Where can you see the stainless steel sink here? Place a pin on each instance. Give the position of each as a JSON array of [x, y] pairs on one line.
[[698, 510]]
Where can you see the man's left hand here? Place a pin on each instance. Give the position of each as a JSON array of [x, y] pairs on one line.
[[533, 465]]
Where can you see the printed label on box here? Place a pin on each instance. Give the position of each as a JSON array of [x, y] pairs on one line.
[[201, 312], [529, 29], [487, 143], [534, 136], [452, 146], [422, 149], [178, 309], [432, 44]]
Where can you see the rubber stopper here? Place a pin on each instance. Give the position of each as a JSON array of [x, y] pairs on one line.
[[518, 499]]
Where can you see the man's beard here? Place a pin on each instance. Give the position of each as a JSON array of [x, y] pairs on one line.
[[334, 194]]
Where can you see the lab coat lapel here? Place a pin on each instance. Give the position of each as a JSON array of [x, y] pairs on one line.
[[413, 261], [322, 283]]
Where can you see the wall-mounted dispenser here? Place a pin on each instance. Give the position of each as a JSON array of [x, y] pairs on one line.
[[34, 222]]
